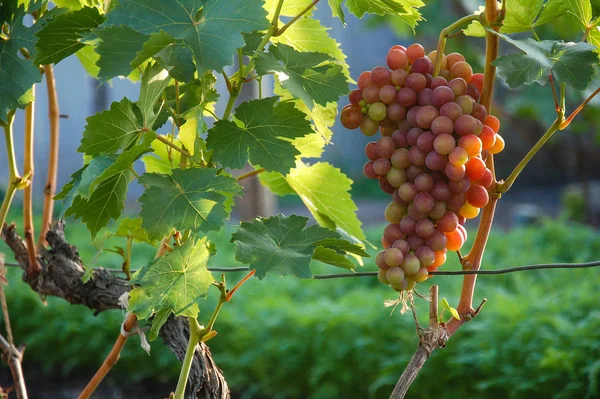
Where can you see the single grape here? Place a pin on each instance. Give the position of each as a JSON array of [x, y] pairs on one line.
[[475, 168], [406, 97], [424, 182], [479, 127], [398, 77], [436, 161], [411, 116], [400, 138], [413, 171], [438, 210], [465, 124], [452, 59], [451, 110], [445, 73], [448, 222], [380, 261], [355, 96], [393, 233], [394, 212], [421, 65], [395, 111], [371, 94], [381, 166], [396, 177], [459, 187], [458, 86], [421, 275], [469, 211], [425, 255], [454, 241], [455, 173], [414, 214], [479, 112], [368, 170], [385, 147], [444, 144], [498, 145], [415, 51], [413, 135], [456, 202], [438, 82], [436, 241], [441, 191], [440, 259], [351, 117], [477, 81], [395, 275], [423, 202], [393, 257], [387, 94], [477, 196], [396, 59], [492, 122], [407, 191], [424, 228], [471, 143], [400, 159], [461, 69], [378, 111], [458, 156], [364, 80], [428, 79], [380, 76], [407, 225], [416, 81], [441, 95], [486, 179], [426, 115], [371, 150], [385, 186], [433, 56], [424, 97], [442, 125], [462, 230], [466, 103], [411, 264], [368, 126], [398, 47], [416, 156], [473, 92], [415, 242], [425, 141], [402, 245]]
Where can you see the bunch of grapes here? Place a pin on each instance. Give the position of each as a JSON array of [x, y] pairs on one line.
[[430, 158]]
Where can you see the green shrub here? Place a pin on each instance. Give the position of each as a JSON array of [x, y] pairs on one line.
[[538, 335]]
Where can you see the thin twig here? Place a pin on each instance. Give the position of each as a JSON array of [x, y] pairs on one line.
[[28, 170], [50, 188], [297, 17], [110, 360], [581, 106], [173, 146], [13, 357], [250, 174]]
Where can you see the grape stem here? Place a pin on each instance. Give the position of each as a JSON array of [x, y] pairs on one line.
[[14, 178], [33, 267], [568, 121], [189, 357], [445, 34], [297, 17], [504, 186]]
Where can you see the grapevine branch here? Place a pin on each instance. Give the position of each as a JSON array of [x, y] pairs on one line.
[[50, 188], [28, 170], [13, 357], [14, 178]]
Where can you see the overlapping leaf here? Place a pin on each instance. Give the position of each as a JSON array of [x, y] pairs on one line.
[[117, 50], [262, 135], [379, 7], [310, 76], [154, 81], [187, 199], [571, 63], [60, 37], [284, 245], [212, 29], [174, 282]]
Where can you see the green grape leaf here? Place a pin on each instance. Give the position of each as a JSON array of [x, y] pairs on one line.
[[132, 228], [197, 95], [110, 130], [571, 63], [187, 199], [379, 7], [308, 35], [252, 41], [310, 76], [212, 29], [154, 81], [175, 282], [159, 320], [552, 9], [342, 246], [91, 172], [276, 183], [88, 58], [521, 15], [582, 10], [17, 75], [106, 202], [594, 37], [445, 305], [288, 9], [279, 245], [331, 257], [325, 191], [261, 136], [118, 48], [59, 38]]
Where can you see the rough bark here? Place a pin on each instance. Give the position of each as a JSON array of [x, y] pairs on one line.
[[61, 275]]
